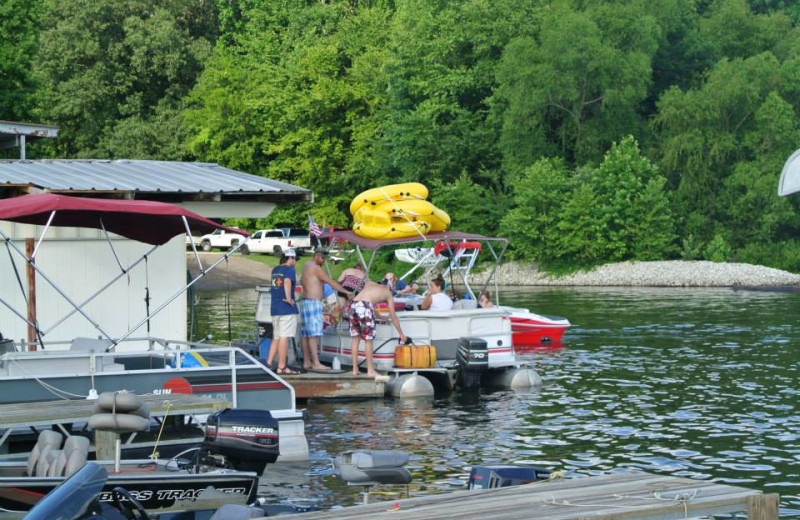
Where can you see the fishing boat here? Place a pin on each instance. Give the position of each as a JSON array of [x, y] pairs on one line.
[[84, 367]]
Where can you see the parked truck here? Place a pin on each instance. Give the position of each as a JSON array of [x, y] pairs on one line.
[[276, 241], [220, 239]]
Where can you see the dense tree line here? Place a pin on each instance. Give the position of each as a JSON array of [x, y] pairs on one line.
[[586, 132]]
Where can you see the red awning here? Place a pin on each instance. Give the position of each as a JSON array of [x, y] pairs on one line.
[[366, 243], [141, 220]]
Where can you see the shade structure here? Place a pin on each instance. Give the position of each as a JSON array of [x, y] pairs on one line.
[[141, 220], [790, 176]]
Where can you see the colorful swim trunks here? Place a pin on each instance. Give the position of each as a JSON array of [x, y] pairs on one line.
[[362, 320], [311, 314]]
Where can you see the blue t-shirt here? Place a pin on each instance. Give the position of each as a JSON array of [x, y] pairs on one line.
[[280, 275], [401, 284]]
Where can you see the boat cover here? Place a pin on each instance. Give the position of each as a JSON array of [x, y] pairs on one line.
[[141, 220], [368, 243]]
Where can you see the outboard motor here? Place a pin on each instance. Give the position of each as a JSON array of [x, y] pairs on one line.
[[370, 467], [247, 439], [473, 360], [490, 477]]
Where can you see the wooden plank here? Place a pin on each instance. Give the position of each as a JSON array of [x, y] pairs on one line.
[[70, 411], [629, 496]]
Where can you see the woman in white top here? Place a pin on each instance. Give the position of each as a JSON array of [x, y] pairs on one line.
[[436, 300]]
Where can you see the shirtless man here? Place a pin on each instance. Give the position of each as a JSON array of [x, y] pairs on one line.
[[312, 278], [362, 322]]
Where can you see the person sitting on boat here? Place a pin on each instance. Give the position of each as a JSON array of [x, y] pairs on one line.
[[437, 300], [362, 321], [353, 279], [399, 287], [485, 300]]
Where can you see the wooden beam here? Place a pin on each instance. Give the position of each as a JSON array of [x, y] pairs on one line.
[[762, 507], [29, 247]]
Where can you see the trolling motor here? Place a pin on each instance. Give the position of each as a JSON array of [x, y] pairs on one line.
[[370, 467]]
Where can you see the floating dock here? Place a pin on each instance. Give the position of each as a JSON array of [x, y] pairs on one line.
[[618, 496], [335, 385], [64, 413]]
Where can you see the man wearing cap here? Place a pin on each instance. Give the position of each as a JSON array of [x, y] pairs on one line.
[[283, 310], [312, 277]]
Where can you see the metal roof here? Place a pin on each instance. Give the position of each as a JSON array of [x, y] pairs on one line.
[[160, 180]]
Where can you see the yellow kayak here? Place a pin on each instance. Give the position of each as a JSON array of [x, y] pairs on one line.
[[395, 230], [405, 191]]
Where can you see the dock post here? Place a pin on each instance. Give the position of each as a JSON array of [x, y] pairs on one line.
[[762, 507], [105, 444]]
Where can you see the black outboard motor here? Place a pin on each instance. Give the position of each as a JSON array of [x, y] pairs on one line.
[[247, 439], [473, 360], [490, 477]]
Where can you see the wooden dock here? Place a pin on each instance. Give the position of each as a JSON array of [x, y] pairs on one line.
[[335, 385], [618, 496], [66, 412]]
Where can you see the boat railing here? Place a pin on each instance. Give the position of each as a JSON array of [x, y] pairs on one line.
[[172, 354]]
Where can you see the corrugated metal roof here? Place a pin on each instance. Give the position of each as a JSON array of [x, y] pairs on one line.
[[65, 175]]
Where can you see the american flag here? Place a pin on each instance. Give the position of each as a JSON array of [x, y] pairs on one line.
[[313, 228]]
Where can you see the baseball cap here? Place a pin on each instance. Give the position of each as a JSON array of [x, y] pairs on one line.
[[290, 253]]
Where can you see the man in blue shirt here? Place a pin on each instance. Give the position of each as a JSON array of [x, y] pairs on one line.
[[283, 309]]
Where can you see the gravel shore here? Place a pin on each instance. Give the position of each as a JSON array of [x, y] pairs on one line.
[[241, 272], [651, 274]]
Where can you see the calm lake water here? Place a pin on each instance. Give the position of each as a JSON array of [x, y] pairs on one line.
[[698, 383]]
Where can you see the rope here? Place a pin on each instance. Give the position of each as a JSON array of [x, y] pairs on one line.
[[682, 498], [401, 212], [154, 455], [47, 386]]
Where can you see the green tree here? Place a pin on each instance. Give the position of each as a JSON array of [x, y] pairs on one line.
[[19, 27], [577, 84], [540, 194], [115, 72]]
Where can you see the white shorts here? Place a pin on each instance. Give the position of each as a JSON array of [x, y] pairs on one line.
[[284, 326]]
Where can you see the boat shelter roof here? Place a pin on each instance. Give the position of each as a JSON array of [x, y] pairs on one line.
[[368, 243], [142, 220], [167, 181]]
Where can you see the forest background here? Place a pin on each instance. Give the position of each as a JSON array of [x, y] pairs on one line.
[[584, 131]]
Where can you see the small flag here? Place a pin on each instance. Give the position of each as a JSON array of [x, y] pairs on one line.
[[313, 228]]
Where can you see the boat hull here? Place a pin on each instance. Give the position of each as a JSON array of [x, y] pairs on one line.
[[158, 492], [533, 330]]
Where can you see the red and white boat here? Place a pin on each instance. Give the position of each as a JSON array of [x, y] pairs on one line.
[[530, 329]]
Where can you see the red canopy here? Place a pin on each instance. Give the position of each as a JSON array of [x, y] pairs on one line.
[[141, 220], [367, 243]]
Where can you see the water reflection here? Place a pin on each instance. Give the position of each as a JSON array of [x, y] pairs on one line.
[[701, 383]]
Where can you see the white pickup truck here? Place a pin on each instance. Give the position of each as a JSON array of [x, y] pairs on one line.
[[220, 239], [276, 241]]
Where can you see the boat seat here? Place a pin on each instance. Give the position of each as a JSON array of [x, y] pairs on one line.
[[87, 344], [71, 458], [48, 440], [465, 305]]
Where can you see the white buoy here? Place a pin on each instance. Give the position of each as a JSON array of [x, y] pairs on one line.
[[409, 385], [519, 378]]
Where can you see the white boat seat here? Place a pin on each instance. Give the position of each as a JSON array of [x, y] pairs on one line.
[[48, 440], [86, 344], [52, 464], [71, 458], [465, 305]]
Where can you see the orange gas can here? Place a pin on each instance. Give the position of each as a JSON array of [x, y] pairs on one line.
[[414, 356]]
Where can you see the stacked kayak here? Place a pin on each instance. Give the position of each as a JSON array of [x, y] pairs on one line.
[[396, 211]]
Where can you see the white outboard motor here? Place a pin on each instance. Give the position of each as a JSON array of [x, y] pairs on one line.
[[370, 467]]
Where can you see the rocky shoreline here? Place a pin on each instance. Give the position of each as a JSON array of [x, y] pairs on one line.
[[649, 274], [242, 273]]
